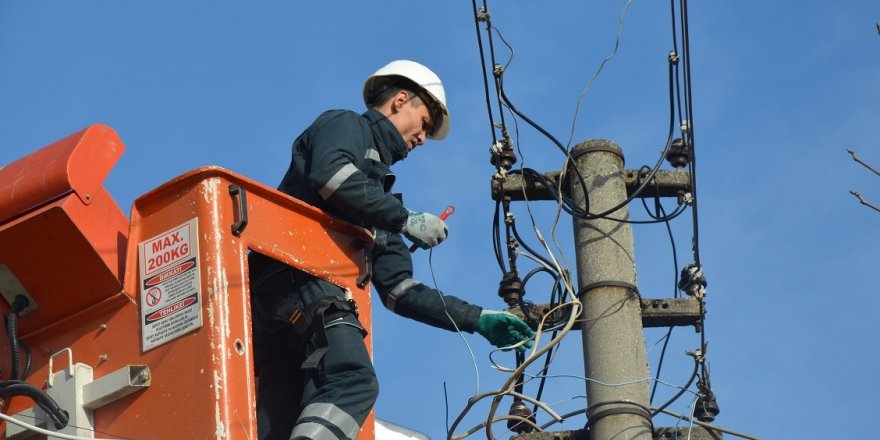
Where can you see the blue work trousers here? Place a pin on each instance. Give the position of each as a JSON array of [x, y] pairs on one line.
[[329, 402]]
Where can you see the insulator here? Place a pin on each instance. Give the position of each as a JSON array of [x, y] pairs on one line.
[[520, 410], [692, 281], [707, 407], [510, 289], [679, 153]]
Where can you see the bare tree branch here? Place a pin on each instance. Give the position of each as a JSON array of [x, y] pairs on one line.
[[863, 201], [856, 158]]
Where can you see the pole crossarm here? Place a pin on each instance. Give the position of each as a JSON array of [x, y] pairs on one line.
[[665, 312], [666, 183]]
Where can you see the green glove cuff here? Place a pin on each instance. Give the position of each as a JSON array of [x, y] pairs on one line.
[[503, 329]]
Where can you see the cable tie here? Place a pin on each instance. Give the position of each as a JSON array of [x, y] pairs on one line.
[[497, 147], [497, 70], [608, 283], [688, 198], [482, 14], [685, 126], [634, 409]]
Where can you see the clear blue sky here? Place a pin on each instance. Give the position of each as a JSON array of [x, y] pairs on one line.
[[780, 92]]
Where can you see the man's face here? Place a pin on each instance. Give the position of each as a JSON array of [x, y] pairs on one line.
[[412, 119]]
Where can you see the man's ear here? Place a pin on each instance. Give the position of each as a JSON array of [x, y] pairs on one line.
[[398, 101]]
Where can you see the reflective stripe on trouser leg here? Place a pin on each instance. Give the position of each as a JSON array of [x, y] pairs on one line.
[[325, 421], [339, 393]]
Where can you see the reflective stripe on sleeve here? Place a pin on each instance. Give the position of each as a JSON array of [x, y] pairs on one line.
[[336, 181], [312, 430], [372, 153], [399, 291], [333, 415]]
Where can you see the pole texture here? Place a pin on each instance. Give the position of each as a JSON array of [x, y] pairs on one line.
[[614, 342]]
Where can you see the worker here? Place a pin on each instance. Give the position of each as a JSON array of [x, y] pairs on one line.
[[316, 379]]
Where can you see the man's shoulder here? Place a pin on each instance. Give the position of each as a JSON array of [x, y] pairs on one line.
[[340, 117]]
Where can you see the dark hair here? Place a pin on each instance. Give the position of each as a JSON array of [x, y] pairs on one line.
[[389, 86]]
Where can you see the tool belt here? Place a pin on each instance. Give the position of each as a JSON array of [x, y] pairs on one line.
[[312, 320]]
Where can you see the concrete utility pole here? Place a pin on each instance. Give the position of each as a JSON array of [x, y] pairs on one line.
[[614, 342], [614, 315]]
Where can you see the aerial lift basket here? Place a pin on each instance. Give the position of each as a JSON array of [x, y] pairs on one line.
[[141, 329]]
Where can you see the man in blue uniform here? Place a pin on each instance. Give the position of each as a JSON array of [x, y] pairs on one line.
[[316, 379]]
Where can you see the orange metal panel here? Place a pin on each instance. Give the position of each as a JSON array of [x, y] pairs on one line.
[[67, 255], [202, 379], [78, 163], [62, 235]]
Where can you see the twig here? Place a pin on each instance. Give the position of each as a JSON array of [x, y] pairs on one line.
[[863, 201], [856, 158]]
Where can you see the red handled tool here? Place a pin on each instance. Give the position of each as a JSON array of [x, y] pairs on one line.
[[446, 213]]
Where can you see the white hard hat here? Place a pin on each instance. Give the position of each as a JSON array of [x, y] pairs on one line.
[[424, 78]]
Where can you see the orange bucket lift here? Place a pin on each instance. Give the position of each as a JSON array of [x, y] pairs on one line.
[[142, 328]]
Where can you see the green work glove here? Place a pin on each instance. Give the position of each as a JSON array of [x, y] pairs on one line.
[[504, 329], [425, 230]]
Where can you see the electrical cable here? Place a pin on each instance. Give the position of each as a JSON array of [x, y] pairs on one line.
[[496, 237], [708, 425], [692, 161], [584, 213], [452, 321], [46, 432], [671, 413], [675, 272], [485, 75], [446, 405], [492, 56], [565, 203], [527, 247], [690, 125], [682, 390], [599, 70], [13, 388], [506, 389], [19, 303], [28, 357]]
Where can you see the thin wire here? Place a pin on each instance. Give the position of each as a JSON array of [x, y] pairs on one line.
[[689, 108], [599, 70], [506, 389], [457, 330], [704, 424], [675, 294], [492, 57], [682, 390], [693, 162], [46, 432], [485, 76], [496, 234], [675, 51], [446, 402]]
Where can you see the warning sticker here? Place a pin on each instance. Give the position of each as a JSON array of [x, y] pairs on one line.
[[170, 285]]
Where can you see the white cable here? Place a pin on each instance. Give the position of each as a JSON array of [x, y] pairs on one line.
[[691, 418], [460, 334], [45, 432], [507, 388]]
